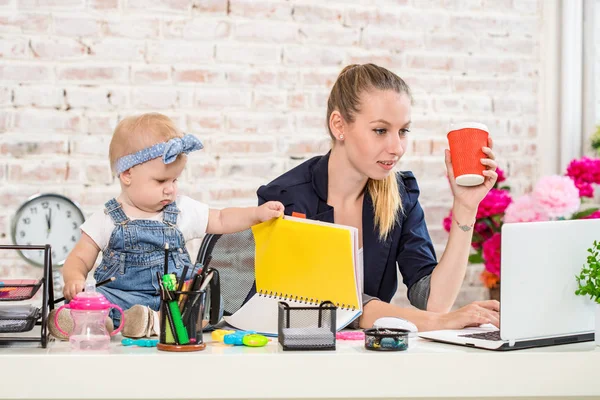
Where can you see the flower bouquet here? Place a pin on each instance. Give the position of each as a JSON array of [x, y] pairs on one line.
[[554, 197]]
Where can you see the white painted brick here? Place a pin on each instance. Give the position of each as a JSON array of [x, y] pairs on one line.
[[24, 22], [210, 6], [219, 98], [375, 38], [58, 49], [14, 48], [258, 123], [248, 54], [93, 74], [206, 30], [337, 35], [18, 146], [86, 146], [274, 32], [96, 98], [6, 95], [317, 13], [251, 168], [135, 28], [251, 78], [194, 75], [38, 96], [103, 5], [20, 73], [383, 58], [311, 56], [212, 122], [39, 5], [77, 26], [117, 49], [168, 6], [46, 121], [100, 124], [154, 98], [269, 100], [453, 42], [261, 9], [150, 74], [169, 52]]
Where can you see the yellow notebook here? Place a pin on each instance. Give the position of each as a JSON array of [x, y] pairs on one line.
[[302, 261]]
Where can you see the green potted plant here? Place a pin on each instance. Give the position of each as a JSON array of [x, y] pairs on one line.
[[589, 282]]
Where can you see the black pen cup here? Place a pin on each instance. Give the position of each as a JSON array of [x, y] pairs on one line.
[[181, 320]]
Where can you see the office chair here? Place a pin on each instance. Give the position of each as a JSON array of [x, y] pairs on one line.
[[232, 255]]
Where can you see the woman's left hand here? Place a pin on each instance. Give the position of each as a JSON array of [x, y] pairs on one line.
[[470, 196]]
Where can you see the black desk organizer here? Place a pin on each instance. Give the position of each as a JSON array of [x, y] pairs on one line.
[[307, 328], [19, 292]]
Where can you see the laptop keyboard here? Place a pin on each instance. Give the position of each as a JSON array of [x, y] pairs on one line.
[[491, 335]]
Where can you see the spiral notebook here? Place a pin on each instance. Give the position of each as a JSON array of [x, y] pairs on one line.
[[302, 262]]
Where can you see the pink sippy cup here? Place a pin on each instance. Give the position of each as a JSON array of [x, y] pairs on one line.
[[89, 310]]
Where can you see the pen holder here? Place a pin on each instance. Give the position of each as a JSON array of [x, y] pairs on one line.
[[307, 328], [181, 320]]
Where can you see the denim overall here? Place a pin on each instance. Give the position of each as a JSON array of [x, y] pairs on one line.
[[135, 253]]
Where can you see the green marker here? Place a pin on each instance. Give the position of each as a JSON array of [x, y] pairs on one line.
[[182, 336]]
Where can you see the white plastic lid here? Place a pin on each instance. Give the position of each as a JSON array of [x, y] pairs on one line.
[[463, 125]]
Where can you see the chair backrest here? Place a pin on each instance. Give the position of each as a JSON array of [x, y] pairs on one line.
[[232, 255]]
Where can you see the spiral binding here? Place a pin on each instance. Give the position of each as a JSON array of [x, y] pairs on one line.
[[300, 299]]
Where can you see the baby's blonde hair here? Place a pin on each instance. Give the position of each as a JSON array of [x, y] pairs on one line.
[[137, 132]]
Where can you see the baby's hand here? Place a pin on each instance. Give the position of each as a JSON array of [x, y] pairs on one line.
[[72, 288], [271, 209]]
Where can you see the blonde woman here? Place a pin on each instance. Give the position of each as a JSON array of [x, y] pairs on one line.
[[369, 118]]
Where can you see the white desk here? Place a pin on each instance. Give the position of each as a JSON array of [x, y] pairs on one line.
[[425, 370]]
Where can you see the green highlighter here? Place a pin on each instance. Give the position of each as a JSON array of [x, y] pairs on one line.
[[169, 281]]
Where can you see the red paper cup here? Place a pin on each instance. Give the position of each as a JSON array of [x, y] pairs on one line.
[[466, 141]]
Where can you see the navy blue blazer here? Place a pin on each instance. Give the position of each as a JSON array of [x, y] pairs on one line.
[[303, 189]]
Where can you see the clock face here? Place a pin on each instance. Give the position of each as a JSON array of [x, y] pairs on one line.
[[47, 219]]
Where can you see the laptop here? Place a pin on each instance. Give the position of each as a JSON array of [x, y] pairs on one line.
[[538, 305]]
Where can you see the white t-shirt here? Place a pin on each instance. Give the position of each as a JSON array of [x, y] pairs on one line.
[[192, 221]]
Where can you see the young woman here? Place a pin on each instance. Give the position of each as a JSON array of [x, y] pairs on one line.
[[369, 117]]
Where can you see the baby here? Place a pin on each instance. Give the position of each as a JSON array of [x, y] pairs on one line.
[[148, 154]]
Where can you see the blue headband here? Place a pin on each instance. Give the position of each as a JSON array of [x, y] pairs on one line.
[[168, 151]]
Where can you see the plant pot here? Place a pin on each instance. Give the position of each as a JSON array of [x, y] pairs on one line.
[[597, 333], [495, 293]]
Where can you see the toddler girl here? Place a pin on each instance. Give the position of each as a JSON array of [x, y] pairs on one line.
[[147, 154]]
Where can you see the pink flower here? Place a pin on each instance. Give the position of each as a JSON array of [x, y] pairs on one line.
[[501, 175], [584, 172], [557, 195], [585, 189], [495, 202], [448, 222], [594, 215], [524, 209], [491, 254]]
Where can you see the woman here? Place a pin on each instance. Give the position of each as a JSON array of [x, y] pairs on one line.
[[369, 117]]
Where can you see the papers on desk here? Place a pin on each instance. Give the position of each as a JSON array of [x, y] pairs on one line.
[[302, 262]]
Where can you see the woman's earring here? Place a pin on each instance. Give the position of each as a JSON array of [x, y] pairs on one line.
[[342, 137]]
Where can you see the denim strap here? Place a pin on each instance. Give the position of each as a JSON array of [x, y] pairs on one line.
[[115, 211]]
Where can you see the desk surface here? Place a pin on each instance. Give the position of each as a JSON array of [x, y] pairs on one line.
[[426, 369]]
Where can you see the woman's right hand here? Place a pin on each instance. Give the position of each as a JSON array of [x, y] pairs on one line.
[[474, 314], [72, 288]]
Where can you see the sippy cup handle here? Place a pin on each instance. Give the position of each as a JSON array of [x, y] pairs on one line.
[[122, 320], [56, 319]]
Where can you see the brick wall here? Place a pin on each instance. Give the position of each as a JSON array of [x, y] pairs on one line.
[[251, 78]]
